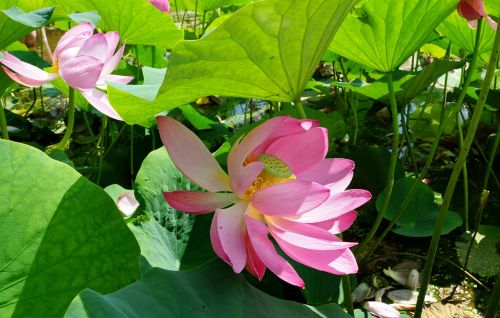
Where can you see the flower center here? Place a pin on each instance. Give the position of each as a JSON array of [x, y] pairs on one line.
[[275, 171]]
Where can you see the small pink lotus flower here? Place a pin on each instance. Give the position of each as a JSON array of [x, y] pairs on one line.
[[162, 5], [472, 10], [83, 60], [279, 183]]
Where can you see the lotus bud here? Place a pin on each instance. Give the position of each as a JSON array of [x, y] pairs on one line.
[[413, 281], [361, 293]]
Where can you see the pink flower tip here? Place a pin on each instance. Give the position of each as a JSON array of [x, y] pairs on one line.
[[162, 5], [473, 10]]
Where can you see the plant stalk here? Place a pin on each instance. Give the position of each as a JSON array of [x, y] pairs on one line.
[[300, 109], [490, 72], [3, 120], [63, 144], [392, 164]]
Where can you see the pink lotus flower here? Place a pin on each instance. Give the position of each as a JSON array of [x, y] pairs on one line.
[[162, 5], [83, 60], [472, 10], [279, 183]]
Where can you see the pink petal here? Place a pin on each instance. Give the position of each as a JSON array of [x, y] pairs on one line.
[[230, 230], [162, 5], [100, 101], [381, 309], [127, 203], [74, 37], [101, 83], [337, 262], [254, 144], [112, 39], [23, 80], [191, 156], [336, 205], [96, 46], [335, 173], [242, 149], [113, 62], [305, 235], [199, 202], [301, 151], [27, 74], [338, 224], [254, 265], [257, 232], [289, 198], [216, 244], [81, 72]]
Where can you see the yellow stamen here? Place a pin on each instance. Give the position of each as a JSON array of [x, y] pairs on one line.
[[275, 172]]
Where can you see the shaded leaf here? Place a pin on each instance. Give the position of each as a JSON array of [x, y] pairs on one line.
[[212, 290], [484, 258], [64, 234]]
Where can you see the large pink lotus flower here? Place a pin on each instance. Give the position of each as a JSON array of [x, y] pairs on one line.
[[162, 5], [279, 183], [472, 10], [83, 60]]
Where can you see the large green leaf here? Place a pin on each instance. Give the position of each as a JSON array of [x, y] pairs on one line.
[[421, 203], [138, 22], [383, 34], [15, 23], [61, 234], [157, 175], [212, 290], [207, 5], [267, 50], [421, 213], [129, 97], [484, 258], [456, 29]]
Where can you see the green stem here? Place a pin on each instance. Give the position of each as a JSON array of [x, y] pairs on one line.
[[63, 144], [100, 148], [195, 16], [3, 120], [495, 298], [392, 164], [406, 131], [132, 155], [445, 89], [300, 109], [354, 106], [203, 27], [489, 168], [490, 72], [346, 286], [464, 174]]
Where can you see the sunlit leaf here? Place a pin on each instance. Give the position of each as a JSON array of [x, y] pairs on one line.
[[456, 29], [15, 23], [384, 34], [138, 22], [267, 50], [61, 234]]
